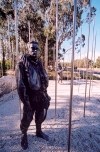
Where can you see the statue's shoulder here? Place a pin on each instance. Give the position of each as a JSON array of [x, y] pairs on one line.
[[22, 60], [19, 65], [40, 62], [24, 56]]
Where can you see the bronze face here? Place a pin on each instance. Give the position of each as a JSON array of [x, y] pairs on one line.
[[33, 49]]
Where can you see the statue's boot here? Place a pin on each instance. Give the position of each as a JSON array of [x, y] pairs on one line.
[[39, 132], [24, 142]]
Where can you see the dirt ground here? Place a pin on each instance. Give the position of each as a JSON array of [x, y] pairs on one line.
[[85, 131]]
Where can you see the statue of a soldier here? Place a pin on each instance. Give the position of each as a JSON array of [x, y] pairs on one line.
[[32, 83]]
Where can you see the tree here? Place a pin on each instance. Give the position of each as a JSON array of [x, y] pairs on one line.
[[41, 33], [98, 62], [6, 11], [41, 14], [81, 63], [65, 17]]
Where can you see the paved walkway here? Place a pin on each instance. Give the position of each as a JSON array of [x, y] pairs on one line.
[[85, 133]]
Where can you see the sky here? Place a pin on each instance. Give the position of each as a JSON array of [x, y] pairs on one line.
[[85, 30]]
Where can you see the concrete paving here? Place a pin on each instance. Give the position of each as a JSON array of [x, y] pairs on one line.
[[85, 132]]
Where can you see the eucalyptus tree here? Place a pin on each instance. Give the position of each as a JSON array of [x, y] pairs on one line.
[[97, 63], [65, 21], [82, 63], [41, 15], [29, 13], [6, 12], [65, 17]]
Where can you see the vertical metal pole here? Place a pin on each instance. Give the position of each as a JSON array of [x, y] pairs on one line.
[[80, 60], [87, 60], [29, 29], [91, 75], [12, 66], [56, 56], [9, 42], [29, 21], [6, 51], [1, 59], [67, 68], [94, 54], [13, 56], [95, 45], [84, 65], [72, 74], [16, 30], [32, 35], [20, 44], [2, 64], [16, 33], [46, 54]]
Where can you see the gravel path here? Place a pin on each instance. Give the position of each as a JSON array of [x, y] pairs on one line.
[[85, 132]]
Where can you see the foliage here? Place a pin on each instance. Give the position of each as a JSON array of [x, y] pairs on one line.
[[97, 64], [6, 10], [81, 63], [65, 17], [41, 16], [7, 64], [66, 75]]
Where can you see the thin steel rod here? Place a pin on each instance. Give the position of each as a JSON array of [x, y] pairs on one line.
[[16, 30], [9, 41], [20, 108], [56, 56], [6, 51], [29, 29], [91, 74], [80, 60], [13, 54], [29, 21], [16, 33], [87, 60], [1, 59], [77, 62], [84, 64], [67, 69], [72, 73], [20, 44], [94, 55], [2, 63], [12, 66]]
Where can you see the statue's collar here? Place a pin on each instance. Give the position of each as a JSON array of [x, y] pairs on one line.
[[32, 60]]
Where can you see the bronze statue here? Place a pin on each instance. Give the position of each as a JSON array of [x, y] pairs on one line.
[[32, 83]]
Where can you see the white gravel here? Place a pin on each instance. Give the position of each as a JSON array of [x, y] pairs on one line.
[[85, 132]]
